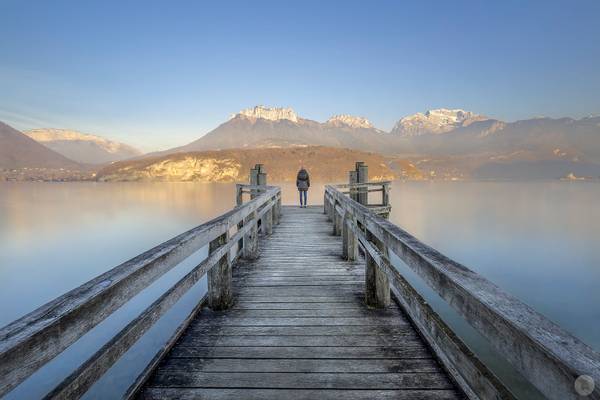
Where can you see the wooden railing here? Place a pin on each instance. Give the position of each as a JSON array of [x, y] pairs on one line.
[[359, 192], [553, 360], [30, 342]]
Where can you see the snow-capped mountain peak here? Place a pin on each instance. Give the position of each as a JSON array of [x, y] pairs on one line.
[[268, 113], [350, 121], [439, 120]]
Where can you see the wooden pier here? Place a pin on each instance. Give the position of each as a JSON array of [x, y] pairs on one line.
[[303, 303], [300, 328]]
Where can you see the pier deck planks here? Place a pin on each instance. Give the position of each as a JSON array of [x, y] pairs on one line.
[[299, 329]]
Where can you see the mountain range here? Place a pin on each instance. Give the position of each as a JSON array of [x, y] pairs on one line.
[[446, 143], [440, 143]]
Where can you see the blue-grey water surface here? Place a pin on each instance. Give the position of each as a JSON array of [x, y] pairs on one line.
[[536, 240]]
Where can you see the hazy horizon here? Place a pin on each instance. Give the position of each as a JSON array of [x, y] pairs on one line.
[[157, 77]]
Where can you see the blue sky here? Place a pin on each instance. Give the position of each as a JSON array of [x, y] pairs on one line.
[[161, 74]]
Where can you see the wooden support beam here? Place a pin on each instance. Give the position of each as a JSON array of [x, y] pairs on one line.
[[352, 243], [267, 223], [349, 242], [250, 250], [377, 285], [337, 219], [277, 210], [220, 295]]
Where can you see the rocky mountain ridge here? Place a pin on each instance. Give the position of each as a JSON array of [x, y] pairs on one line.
[[436, 121], [268, 113], [350, 121], [448, 143]]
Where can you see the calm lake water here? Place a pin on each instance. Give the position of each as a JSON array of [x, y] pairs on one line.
[[536, 240]]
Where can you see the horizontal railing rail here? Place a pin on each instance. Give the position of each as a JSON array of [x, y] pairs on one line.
[[31, 341], [546, 355], [359, 192]]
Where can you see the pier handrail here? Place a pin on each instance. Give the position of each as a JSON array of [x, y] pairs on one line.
[[545, 354], [31, 341]]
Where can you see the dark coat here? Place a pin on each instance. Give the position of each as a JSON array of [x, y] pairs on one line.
[[302, 180]]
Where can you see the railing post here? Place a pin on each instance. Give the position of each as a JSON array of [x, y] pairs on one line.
[[350, 241], [377, 285], [349, 244], [251, 238], [267, 222], [219, 277], [276, 209], [345, 235], [337, 224]]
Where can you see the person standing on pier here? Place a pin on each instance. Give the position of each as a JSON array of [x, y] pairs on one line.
[[303, 183]]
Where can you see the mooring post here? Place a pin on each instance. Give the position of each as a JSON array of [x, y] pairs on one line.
[[253, 181], [377, 285], [362, 176], [353, 179], [219, 277], [385, 195], [261, 178], [251, 238]]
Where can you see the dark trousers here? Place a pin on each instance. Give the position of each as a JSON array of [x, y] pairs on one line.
[[303, 194]]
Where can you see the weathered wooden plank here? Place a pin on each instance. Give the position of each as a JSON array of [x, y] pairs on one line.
[[425, 365], [199, 329], [322, 313], [295, 306], [302, 280], [300, 283], [346, 290], [300, 340], [295, 394], [308, 321], [315, 352], [272, 380], [295, 299]]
